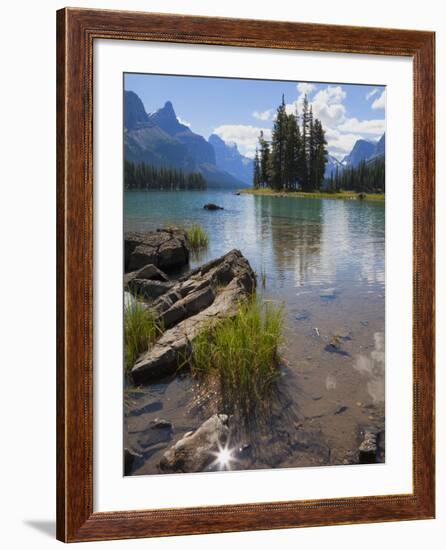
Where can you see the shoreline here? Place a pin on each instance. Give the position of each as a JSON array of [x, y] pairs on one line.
[[343, 195]]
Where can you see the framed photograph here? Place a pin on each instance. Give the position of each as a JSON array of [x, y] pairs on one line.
[[245, 275]]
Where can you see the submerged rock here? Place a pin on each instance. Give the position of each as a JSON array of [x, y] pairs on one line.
[[153, 436], [166, 249], [328, 294], [196, 451], [198, 301], [212, 206], [335, 343], [302, 315], [149, 407], [161, 424]]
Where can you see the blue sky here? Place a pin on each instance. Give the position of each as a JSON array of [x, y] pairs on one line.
[[238, 109]]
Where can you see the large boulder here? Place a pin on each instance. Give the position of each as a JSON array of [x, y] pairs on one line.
[[197, 301], [166, 249], [198, 451], [148, 289], [149, 271]]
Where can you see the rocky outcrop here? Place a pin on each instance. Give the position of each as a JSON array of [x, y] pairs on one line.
[[149, 271], [148, 282], [166, 249], [148, 289], [197, 451], [197, 301]]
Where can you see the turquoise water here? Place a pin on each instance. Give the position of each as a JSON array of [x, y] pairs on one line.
[[303, 245], [324, 260]]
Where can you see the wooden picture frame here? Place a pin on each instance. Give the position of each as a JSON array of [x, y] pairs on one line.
[[77, 29]]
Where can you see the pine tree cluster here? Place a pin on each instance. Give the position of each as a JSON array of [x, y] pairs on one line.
[[367, 177], [145, 176], [296, 157]]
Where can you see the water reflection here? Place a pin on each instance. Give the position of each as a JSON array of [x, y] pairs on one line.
[[295, 235], [372, 368], [298, 242]]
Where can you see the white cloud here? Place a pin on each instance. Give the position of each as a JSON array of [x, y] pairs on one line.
[[370, 94], [328, 106], [380, 103], [182, 121], [297, 105], [305, 88], [263, 115], [375, 127], [245, 136], [339, 144]]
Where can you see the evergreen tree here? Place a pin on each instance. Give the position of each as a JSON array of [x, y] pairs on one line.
[[336, 180], [367, 177], [145, 176], [292, 149], [278, 144], [304, 173], [320, 154], [257, 171], [264, 160], [297, 155], [311, 152]]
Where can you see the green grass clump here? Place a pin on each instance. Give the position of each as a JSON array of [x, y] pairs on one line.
[[140, 331], [197, 237], [241, 351]]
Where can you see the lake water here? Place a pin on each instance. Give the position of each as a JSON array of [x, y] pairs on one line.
[[324, 260]]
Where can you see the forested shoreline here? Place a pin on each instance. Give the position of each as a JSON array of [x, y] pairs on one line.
[[296, 157], [367, 177], [146, 176]]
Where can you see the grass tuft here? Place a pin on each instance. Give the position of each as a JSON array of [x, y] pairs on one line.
[[242, 352], [197, 237], [140, 331]]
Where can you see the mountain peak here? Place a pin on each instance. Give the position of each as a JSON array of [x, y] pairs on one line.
[[135, 115], [168, 109], [362, 150], [167, 120], [229, 159], [215, 138]]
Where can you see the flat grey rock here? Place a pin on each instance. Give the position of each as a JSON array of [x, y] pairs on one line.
[[196, 302]]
